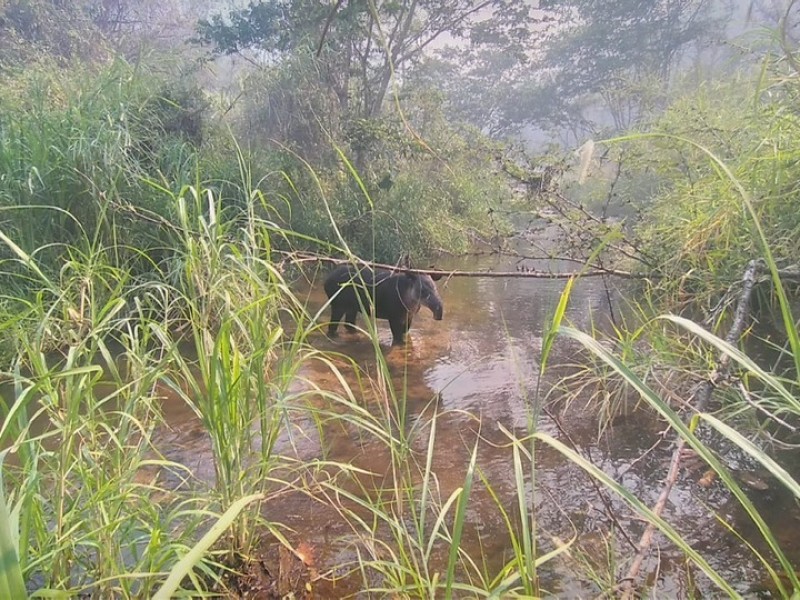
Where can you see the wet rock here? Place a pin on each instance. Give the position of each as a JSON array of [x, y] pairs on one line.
[[753, 480]]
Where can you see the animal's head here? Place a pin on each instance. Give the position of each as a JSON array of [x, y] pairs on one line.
[[428, 294]]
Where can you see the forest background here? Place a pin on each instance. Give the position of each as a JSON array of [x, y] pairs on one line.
[[150, 151]]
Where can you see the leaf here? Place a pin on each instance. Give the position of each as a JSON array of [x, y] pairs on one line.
[[12, 583], [195, 555]]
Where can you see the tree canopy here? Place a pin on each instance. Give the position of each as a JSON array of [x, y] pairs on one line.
[[360, 47], [576, 52], [596, 42]]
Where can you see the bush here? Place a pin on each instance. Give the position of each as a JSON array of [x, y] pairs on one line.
[[80, 145], [695, 227], [405, 183]]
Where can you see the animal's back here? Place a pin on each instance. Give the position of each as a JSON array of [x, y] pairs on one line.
[[346, 273]]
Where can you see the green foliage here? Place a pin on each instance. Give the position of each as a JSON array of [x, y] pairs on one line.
[[288, 104], [234, 296], [12, 583], [726, 163], [80, 425], [697, 227], [90, 503], [80, 150], [97, 514], [265, 24], [77, 146], [81, 420], [357, 47], [418, 183], [197, 552]]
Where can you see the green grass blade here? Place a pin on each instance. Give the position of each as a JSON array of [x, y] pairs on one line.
[[528, 541], [426, 479], [754, 451], [740, 357], [27, 259], [185, 565], [458, 523], [12, 584], [558, 317]]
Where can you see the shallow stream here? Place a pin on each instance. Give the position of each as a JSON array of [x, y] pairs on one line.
[[478, 368]]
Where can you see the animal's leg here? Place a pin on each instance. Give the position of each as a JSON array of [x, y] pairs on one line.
[[337, 312], [399, 327], [350, 325]]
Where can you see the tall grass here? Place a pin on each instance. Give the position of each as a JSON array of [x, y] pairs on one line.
[[74, 149], [248, 336], [223, 329], [131, 270], [128, 274], [79, 423], [85, 403], [770, 394]]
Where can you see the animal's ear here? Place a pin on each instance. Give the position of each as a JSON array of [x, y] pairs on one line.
[[436, 276]]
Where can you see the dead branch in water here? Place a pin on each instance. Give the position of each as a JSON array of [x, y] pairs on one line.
[[701, 397], [296, 257], [791, 274]]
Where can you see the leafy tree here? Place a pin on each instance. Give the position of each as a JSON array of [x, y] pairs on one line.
[[603, 40], [324, 74], [586, 55], [623, 51], [360, 47]]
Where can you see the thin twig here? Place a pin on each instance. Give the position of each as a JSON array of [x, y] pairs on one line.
[[662, 436], [297, 257], [772, 416], [598, 490], [702, 397]]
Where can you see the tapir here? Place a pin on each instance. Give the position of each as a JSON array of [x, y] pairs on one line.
[[393, 295]]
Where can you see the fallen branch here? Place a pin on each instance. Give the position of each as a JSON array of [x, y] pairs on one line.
[[701, 397], [296, 258], [791, 274]]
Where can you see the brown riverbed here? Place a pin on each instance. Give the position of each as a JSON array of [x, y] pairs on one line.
[[478, 370]]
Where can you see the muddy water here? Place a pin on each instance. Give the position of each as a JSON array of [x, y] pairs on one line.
[[478, 369]]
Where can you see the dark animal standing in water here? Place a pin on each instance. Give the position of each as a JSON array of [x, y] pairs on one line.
[[396, 296]]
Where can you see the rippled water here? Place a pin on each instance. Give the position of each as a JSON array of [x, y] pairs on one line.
[[478, 367]]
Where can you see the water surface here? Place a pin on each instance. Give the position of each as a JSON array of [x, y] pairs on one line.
[[478, 370]]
